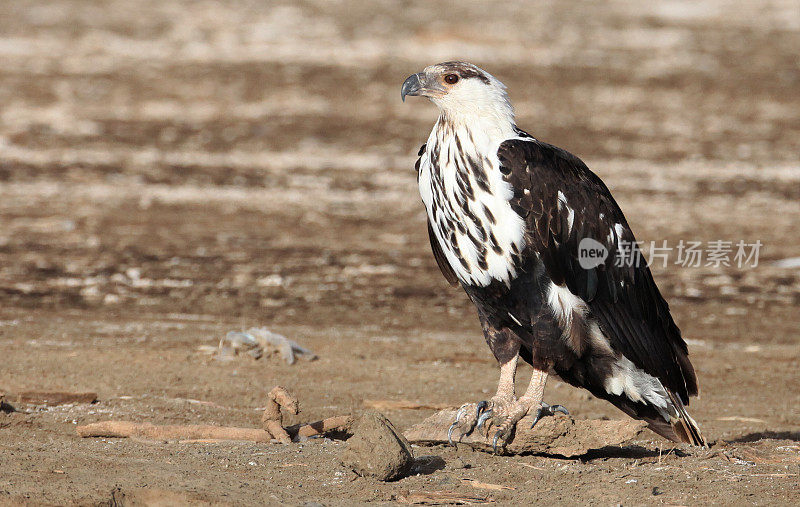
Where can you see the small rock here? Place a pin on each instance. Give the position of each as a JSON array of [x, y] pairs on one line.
[[376, 449], [457, 464]]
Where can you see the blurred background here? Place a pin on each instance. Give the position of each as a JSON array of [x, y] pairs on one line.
[[172, 170], [206, 146]]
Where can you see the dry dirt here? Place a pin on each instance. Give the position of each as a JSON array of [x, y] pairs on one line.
[[173, 170]]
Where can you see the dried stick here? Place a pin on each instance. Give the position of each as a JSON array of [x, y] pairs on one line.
[[403, 405], [271, 420], [272, 430], [336, 424], [124, 429], [53, 397]]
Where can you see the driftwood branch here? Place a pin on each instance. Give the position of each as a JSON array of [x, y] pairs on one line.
[[126, 429], [271, 420], [559, 434], [51, 398], [278, 398], [123, 429], [442, 498], [336, 424], [380, 405]]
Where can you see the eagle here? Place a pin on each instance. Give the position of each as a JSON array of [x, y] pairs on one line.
[[510, 219]]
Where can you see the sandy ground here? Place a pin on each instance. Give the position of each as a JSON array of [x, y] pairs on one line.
[[171, 171]]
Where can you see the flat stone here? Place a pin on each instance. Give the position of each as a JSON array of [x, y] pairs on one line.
[[556, 435]]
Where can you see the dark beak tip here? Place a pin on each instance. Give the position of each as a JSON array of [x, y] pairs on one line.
[[411, 86]]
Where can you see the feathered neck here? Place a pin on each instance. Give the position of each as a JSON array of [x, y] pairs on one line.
[[481, 133]]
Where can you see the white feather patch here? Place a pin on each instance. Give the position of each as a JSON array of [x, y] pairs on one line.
[[567, 307], [508, 227], [639, 387], [620, 230], [563, 303], [562, 204]]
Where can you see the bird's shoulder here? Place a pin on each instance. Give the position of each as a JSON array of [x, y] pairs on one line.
[[526, 161], [559, 197]]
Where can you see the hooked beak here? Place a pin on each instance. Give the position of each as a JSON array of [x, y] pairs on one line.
[[420, 84], [411, 86]]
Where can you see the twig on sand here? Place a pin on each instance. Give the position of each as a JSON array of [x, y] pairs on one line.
[[403, 405], [272, 430], [124, 429], [442, 497], [335, 424], [271, 420], [209, 433], [530, 466], [52, 398], [486, 485]]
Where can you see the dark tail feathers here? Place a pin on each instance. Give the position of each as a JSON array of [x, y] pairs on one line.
[[680, 428]]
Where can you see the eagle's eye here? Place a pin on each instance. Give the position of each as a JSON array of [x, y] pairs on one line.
[[451, 79]]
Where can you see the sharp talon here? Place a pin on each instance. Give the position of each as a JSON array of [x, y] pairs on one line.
[[480, 407], [494, 442], [450, 433], [482, 419], [545, 410], [539, 414]]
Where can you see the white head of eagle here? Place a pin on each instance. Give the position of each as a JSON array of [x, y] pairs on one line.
[[506, 215], [464, 93]]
